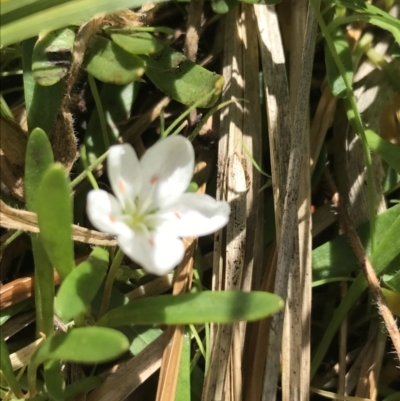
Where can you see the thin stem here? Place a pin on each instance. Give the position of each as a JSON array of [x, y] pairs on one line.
[[354, 118], [110, 281], [186, 113], [90, 168], [100, 110], [85, 165]]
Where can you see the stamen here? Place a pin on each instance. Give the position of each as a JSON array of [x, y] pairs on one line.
[[112, 219], [151, 242], [177, 215]]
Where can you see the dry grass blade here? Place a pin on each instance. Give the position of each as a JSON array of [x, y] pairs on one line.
[[173, 350], [15, 219], [234, 252], [296, 333], [287, 250], [125, 377]]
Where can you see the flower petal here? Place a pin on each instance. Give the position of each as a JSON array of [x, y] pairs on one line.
[[124, 173], [194, 215], [167, 170], [157, 255], [104, 212]]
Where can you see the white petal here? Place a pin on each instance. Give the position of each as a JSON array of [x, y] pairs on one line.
[[167, 170], [157, 255], [125, 173], [194, 215], [104, 212]]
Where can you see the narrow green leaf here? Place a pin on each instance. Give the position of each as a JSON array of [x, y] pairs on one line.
[[195, 308], [81, 345], [335, 80], [182, 79], [54, 210], [42, 103], [386, 251], [39, 158], [10, 311], [80, 287], [7, 369], [336, 258], [183, 386], [388, 151], [375, 15], [22, 22], [109, 63], [54, 379], [52, 56], [138, 43]]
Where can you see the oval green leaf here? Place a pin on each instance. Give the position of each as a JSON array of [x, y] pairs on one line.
[[182, 79], [52, 56], [80, 287], [109, 63], [39, 157], [54, 210], [195, 308], [82, 345], [138, 43]]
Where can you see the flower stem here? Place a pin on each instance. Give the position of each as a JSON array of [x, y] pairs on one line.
[[110, 281]]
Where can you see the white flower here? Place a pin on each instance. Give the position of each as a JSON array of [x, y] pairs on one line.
[[150, 211]]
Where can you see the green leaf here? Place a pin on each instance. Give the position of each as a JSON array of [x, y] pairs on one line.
[[183, 387], [138, 43], [373, 15], [54, 379], [12, 310], [109, 63], [195, 308], [83, 386], [26, 18], [336, 258], [335, 80], [42, 103], [39, 158], [82, 345], [385, 253], [80, 287], [223, 6], [140, 337], [388, 151], [182, 79], [52, 56], [393, 281], [7, 369], [54, 211]]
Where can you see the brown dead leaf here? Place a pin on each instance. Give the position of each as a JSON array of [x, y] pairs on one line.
[[15, 219]]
